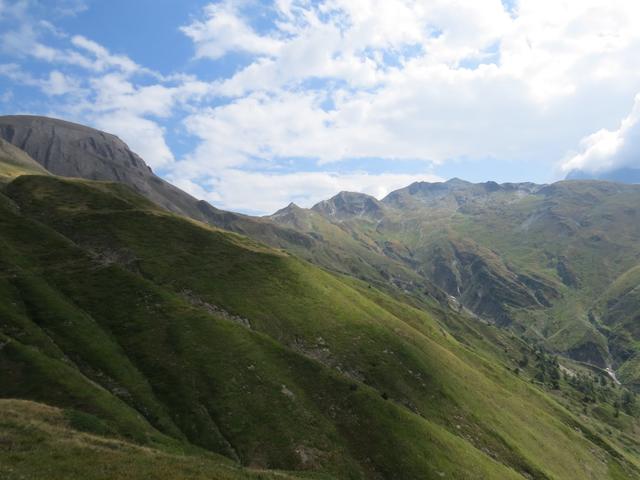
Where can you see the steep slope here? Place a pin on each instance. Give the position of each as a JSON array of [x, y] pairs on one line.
[[15, 162], [70, 444], [72, 150], [516, 254], [340, 248], [532, 258], [618, 312], [408, 242], [116, 306]]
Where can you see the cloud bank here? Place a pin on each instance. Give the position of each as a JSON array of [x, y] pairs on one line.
[[292, 98], [608, 150]]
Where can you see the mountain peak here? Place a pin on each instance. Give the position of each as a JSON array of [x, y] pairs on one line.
[[71, 150], [348, 205], [453, 193], [292, 208], [455, 181]]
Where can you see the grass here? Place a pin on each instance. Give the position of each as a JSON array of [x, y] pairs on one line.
[[117, 314], [507, 257], [14, 162], [30, 431]]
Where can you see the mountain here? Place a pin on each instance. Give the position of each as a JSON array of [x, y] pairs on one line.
[[415, 241], [350, 205], [451, 242], [15, 162], [533, 259], [180, 350], [71, 150]]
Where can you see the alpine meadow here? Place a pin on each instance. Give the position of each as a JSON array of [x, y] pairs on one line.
[[383, 239]]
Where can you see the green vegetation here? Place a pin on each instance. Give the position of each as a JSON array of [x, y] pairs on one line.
[[14, 162], [532, 259], [175, 339], [38, 441]]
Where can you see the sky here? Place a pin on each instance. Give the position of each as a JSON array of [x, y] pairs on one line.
[[253, 104]]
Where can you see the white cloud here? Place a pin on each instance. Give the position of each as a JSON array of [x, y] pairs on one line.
[[264, 193], [431, 80], [100, 88], [60, 84], [70, 8], [606, 150], [6, 96], [24, 40], [335, 80], [143, 136], [104, 59], [55, 84], [223, 31]]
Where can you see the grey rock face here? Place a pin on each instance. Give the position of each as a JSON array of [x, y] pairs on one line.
[[347, 205], [456, 193], [71, 150], [17, 160]]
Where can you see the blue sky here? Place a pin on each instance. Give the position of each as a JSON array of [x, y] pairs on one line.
[[252, 104]]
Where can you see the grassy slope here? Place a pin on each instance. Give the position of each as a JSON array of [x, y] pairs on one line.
[[207, 374], [346, 249], [568, 242], [66, 447], [618, 309], [592, 226], [15, 162]]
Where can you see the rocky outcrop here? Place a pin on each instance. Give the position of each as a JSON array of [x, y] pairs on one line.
[[14, 161], [481, 281], [456, 194], [71, 150], [349, 205]]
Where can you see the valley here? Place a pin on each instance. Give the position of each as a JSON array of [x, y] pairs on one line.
[[450, 330]]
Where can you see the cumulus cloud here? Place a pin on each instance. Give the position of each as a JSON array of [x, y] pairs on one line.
[[223, 30], [459, 79], [56, 84], [333, 81], [606, 150], [263, 193], [104, 59], [103, 89], [60, 84], [143, 136]]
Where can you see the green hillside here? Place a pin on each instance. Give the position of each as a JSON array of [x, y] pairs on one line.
[[39, 441], [618, 313], [177, 336], [533, 259], [14, 162]]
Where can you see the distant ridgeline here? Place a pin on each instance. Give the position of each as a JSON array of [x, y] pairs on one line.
[[623, 175], [449, 330]]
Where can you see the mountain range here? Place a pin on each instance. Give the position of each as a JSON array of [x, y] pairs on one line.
[[448, 330]]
